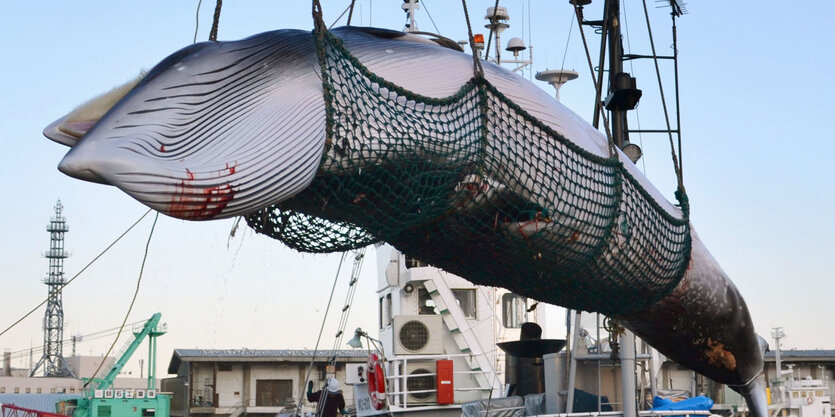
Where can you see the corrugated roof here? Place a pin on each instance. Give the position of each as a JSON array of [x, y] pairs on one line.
[[40, 402], [807, 354], [258, 355]]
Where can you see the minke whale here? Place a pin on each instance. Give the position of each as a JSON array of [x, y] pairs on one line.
[[224, 129]]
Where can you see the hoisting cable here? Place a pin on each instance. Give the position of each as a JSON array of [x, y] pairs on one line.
[[676, 165], [321, 328], [490, 36], [578, 11], [132, 301], [477, 69], [197, 21], [351, 13], [216, 20], [632, 69], [438, 31], [339, 17], [78, 273]]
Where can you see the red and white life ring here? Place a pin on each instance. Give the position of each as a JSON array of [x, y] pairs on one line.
[[376, 382], [810, 400]]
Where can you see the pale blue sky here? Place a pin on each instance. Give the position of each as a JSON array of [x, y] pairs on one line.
[[758, 161]]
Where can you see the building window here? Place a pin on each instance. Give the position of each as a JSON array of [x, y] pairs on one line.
[[426, 305], [466, 298], [514, 309], [273, 392]]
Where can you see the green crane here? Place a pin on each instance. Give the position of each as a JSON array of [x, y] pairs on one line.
[[100, 400]]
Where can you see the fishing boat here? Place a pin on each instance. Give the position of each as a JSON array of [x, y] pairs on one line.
[[495, 182], [454, 348]]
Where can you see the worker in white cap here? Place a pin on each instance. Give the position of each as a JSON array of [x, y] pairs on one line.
[[328, 401]]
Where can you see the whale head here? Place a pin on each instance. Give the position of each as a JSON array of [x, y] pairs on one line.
[[217, 129]]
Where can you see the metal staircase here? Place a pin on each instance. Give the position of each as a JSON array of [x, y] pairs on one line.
[[462, 332]]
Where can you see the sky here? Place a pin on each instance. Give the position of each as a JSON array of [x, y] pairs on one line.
[[758, 146]]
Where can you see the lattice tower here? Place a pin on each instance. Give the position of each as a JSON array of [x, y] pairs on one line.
[[53, 361]]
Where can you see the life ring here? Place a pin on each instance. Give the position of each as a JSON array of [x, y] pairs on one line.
[[376, 382], [810, 400]]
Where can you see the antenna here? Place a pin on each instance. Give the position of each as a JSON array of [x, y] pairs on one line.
[[557, 78], [53, 321]]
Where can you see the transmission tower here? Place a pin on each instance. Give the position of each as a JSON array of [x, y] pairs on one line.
[[53, 361]]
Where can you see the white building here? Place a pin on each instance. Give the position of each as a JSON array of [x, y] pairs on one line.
[[231, 382]]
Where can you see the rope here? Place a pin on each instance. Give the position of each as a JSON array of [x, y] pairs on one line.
[[351, 12], [78, 273], [197, 21], [438, 31], [335, 21], [132, 301], [213, 33], [490, 36], [477, 69], [578, 11], [321, 329], [664, 104]]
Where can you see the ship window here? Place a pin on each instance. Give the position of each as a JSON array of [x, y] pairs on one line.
[[426, 305], [2, 390], [387, 321], [273, 392], [17, 390], [40, 390], [149, 412], [819, 393], [803, 394], [513, 310], [385, 311], [104, 411], [414, 263], [28, 390], [466, 298], [794, 394]]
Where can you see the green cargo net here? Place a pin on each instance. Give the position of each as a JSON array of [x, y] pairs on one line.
[[476, 186]]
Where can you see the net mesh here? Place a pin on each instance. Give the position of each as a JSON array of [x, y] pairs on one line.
[[473, 184]]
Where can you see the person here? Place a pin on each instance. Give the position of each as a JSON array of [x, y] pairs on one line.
[[332, 402]]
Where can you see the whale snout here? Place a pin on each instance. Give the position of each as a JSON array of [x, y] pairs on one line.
[[80, 168]]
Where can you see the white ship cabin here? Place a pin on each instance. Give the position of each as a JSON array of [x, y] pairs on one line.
[[427, 314]]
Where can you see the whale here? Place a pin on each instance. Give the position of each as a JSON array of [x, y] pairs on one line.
[[225, 129]]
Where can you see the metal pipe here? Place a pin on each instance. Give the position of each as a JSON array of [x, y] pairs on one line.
[[627, 361], [572, 367]]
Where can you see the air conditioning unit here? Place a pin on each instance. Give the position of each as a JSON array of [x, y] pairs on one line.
[[418, 335], [420, 382]]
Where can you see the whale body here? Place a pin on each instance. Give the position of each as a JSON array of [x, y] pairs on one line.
[[225, 129]]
